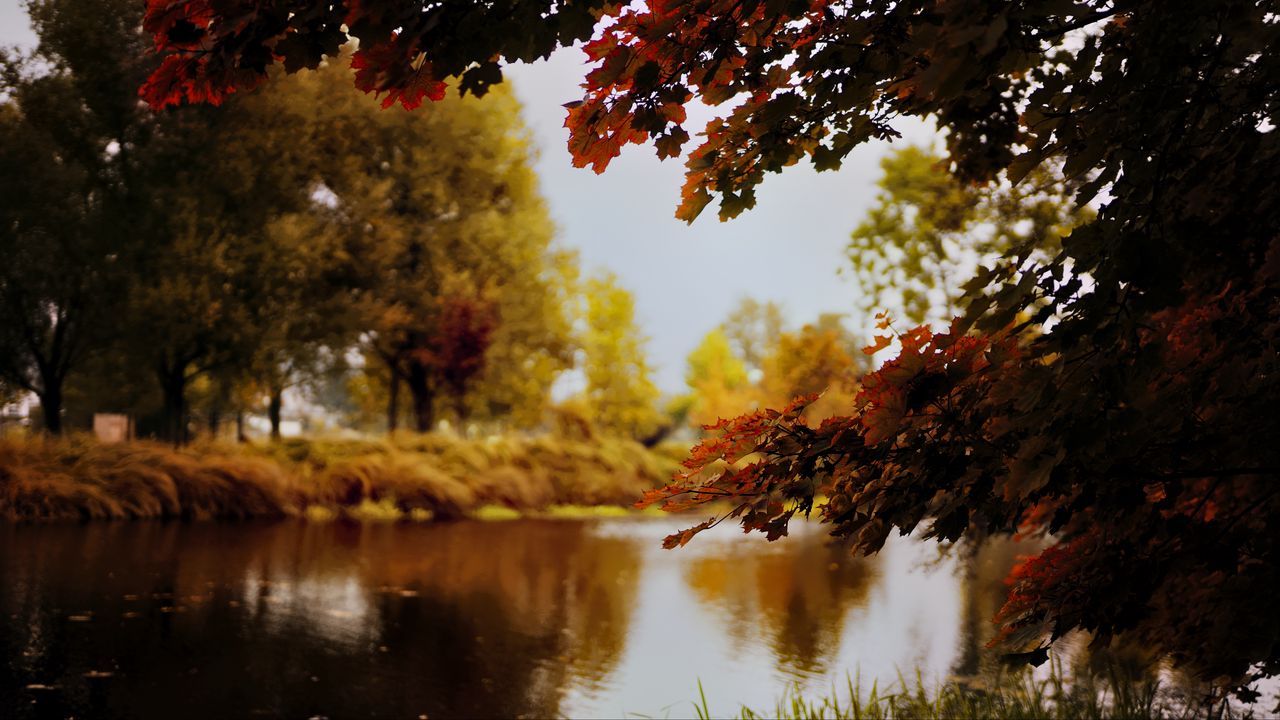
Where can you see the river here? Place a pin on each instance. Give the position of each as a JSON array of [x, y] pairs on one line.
[[533, 618]]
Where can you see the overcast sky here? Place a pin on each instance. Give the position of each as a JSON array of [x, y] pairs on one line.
[[685, 278]]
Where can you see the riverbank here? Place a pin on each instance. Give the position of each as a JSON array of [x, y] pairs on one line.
[[421, 477]]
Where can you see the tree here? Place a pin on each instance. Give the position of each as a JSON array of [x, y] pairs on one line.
[[67, 151], [718, 381], [1129, 412], [532, 344], [54, 262], [214, 271], [815, 360], [313, 307], [64, 158], [929, 230], [463, 333], [751, 329], [820, 358], [620, 396], [452, 247], [128, 240]]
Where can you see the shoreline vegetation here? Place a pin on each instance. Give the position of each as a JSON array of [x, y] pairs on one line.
[[420, 477], [1111, 691]]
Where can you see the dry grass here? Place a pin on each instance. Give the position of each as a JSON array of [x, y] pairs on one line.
[[82, 480], [421, 476]]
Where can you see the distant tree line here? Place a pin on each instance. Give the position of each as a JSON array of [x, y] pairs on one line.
[[194, 265]]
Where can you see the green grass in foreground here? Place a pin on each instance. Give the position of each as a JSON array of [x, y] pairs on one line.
[[1020, 696]]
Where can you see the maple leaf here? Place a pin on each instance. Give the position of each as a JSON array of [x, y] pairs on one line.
[[166, 86], [682, 538], [669, 145], [879, 343], [420, 84]]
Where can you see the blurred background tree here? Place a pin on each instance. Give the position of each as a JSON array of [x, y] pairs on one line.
[[751, 329], [928, 232], [754, 360], [620, 396], [208, 262], [440, 209], [719, 385]]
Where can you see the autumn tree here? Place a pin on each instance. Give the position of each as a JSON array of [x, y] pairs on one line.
[[455, 351], [816, 360], [929, 231], [751, 328], [449, 244], [532, 344], [1118, 396], [718, 381], [766, 364], [620, 396]]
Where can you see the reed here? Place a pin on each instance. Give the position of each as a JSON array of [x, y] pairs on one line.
[[439, 477], [1020, 696]]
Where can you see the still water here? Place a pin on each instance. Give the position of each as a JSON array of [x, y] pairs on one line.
[[537, 618]]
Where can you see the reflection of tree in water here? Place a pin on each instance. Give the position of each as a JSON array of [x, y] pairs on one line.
[[982, 567], [507, 615], [546, 597], [602, 589], [467, 619], [799, 589]]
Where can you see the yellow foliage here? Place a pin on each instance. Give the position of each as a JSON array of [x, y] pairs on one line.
[[621, 398], [811, 361]]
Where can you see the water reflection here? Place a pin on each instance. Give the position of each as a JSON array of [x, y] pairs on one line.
[[300, 620], [981, 571], [535, 618], [799, 592]]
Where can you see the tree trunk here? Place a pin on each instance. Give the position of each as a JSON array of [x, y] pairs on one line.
[[215, 418], [393, 402], [973, 620], [420, 388], [274, 405], [240, 434], [173, 384], [460, 410], [51, 407]]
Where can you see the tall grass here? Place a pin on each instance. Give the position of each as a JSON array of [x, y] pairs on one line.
[[1020, 696], [77, 478]]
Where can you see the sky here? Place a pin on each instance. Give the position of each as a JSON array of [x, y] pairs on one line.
[[685, 278]]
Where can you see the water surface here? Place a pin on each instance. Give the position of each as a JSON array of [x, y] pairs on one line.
[[531, 618]]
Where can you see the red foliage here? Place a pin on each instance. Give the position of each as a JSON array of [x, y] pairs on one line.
[[190, 73], [463, 332], [904, 398], [390, 68], [190, 79]]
